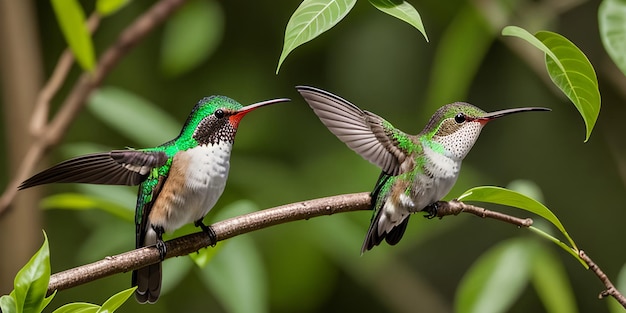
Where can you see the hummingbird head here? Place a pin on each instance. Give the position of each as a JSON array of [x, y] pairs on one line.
[[456, 126], [215, 119]]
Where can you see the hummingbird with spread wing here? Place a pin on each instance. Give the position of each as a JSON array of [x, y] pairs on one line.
[[417, 170]]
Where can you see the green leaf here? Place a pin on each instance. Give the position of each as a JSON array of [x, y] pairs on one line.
[[108, 7], [78, 307], [499, 195], [403, 11], [514, 199], [71, 19], [612, 23], [550, 280], [48, 299], [7, 304], [115, 301], [312, 18], [496, 279], [133, 116], [524, 34], [569, 69], [75, 201], [31, 282], [526, 187], [191, 36]]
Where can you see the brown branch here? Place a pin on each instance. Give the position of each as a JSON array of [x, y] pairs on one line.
[[610, 288], [455, 207], [239, 225], [243, 224], [50, 134]]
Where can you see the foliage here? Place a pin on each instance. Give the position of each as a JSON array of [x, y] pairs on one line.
[[569, 69], [461, 48], [314, 17], [31, 286]]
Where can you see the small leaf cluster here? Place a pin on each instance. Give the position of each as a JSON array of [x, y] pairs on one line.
[[31, 286]]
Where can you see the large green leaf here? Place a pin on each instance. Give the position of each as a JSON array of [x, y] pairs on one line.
[[569, 69], [511, 198], [403, 11], [31, 282], [496, 279], [550, 280], [133, 116], [312, 18], [71, 19], [612, 23], [191, 35]]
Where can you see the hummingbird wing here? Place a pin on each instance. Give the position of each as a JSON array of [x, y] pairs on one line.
[[117, 167], [364, 132]]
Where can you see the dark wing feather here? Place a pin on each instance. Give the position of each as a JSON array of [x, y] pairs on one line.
[[362, 131], [117, 167]]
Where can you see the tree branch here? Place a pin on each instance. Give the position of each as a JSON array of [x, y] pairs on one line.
[[246, 223], [235, 226], [610, 288], [48, 135]]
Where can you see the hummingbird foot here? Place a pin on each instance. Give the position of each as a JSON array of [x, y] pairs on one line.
[[208, 231], [160, 244], [431, 211]]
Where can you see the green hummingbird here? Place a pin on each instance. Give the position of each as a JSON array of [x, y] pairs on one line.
[[179, 181], [417, 170]]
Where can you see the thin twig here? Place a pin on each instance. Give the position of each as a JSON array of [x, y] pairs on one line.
[[243, 224], [54, 83], [455, 207], [51, 133], [610, 288]]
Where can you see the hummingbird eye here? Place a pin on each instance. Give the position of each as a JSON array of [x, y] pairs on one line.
[[219, 113], [460, 118]]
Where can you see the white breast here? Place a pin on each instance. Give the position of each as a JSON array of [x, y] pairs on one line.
[[205, 170], [443, 174]]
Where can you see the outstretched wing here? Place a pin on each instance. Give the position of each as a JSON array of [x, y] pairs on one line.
[[364, 132], [117, 167]]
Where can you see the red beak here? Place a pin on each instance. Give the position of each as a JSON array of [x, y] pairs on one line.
[[235, 118]]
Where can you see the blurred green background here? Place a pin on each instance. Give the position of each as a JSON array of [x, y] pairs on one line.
[[283, 153]]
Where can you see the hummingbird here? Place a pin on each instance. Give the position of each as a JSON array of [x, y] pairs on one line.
[[417, 170], [179, 181]]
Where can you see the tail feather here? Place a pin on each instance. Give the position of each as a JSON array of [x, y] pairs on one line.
[[392, 236], [148, 282]]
